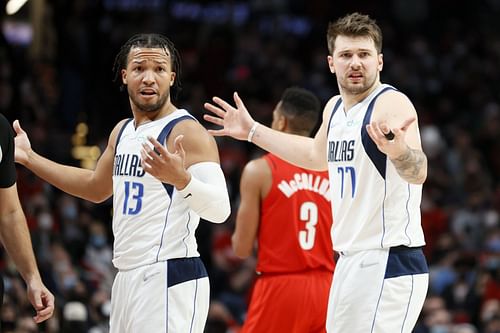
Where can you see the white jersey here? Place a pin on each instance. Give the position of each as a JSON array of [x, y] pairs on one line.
[[373, 207], [151, 221]]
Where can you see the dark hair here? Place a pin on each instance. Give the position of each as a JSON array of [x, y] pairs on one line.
[[354, 25], [301, 108], [149, 41]]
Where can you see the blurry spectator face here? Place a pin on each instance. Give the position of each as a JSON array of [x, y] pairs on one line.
[[493, 326], [433, 304], [26, 324], [356, 63], [98, 237], [463, 328], [148, 78], [45, 221], [490, 310], [8, 317], [439, 321]]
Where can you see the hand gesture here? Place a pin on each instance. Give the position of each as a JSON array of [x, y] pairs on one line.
[[165, 166], [22, 144], [41, 299], [235, 122], [381, 135]]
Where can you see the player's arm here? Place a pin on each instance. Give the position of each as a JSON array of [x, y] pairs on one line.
[[299, 150], [93, 185], [16, 239], [14, 233], [190, 162], [395, 113], [254, 185]]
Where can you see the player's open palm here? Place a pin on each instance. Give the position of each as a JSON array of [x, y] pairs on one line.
[[390, 141], [22, 144], [235, 122]]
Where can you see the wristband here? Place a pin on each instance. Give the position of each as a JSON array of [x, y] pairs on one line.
[[252, 131]]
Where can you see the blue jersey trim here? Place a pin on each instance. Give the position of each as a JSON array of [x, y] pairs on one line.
[[408, 215], [383, 215], [187, 235], [166, 299], [378, 158], [185, 269], [121, 132], [376, 308], [194, 307], [405, 261], [339, 101], [163, 231], [162, 138], [408, 305]]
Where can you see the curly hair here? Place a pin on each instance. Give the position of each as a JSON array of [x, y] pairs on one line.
[[148, 41]]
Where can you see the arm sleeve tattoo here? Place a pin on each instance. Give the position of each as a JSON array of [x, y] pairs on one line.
[[412, 166]]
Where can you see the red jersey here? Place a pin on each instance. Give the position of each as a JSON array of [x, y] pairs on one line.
[[295, 223]]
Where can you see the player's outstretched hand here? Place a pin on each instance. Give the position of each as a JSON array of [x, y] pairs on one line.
[[390, 141], [22, 144], [235, 122]]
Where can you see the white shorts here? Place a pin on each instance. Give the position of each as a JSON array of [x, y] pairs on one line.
[[378, 291], [170, 296]]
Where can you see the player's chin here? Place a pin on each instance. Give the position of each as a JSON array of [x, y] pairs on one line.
[[149, 107]]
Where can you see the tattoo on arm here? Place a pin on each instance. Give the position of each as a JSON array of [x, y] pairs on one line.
[[412, 166]]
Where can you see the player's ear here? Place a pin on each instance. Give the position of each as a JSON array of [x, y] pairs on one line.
[[124, 76], [282, 122], [330, 64], [172, 78]]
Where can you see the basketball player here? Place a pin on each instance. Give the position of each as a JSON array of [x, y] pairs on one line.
[[162, 168], [369, 141], [14, 232], [287, 209]]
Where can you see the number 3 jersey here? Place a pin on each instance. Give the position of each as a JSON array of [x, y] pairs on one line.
[[151, 220], [295, 223], [373, 206]]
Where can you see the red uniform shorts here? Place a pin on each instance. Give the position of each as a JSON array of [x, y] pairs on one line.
[[289, 303]]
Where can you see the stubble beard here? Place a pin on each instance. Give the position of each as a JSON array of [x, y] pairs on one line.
[[143, 107], [358, 89]]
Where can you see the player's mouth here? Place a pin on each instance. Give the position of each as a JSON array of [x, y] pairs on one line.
[[356, 77], [147, 93]]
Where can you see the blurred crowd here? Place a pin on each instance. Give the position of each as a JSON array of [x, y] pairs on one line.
[[444, 56]]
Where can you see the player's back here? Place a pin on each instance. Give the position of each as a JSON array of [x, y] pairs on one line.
[[294, 231]]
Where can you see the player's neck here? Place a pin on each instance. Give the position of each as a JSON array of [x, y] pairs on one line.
[[351, 99], [143, 117]]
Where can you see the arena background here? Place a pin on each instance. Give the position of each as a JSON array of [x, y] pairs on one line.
[[55, 76]]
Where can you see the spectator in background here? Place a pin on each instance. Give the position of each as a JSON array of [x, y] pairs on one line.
[[14, 232], [287, 210]]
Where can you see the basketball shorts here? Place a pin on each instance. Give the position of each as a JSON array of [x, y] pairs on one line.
[[378, 291], [289, 303], [170, 296]]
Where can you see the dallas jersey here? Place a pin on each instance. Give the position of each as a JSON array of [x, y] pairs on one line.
[[151, 221], [294, 231], [373, 207]]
